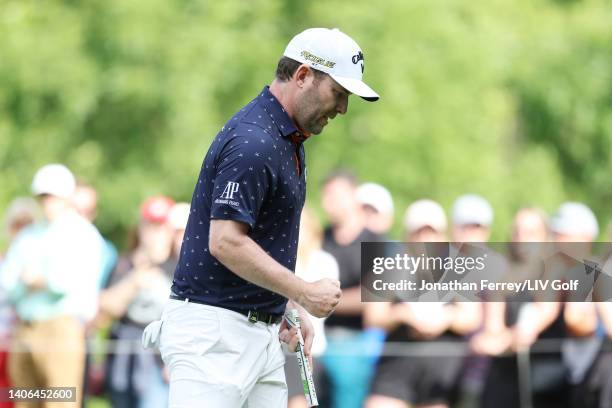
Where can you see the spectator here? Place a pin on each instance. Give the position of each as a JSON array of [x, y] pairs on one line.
[[529, 225], [544, 318], [501, 388], [21, 212], [596, 389], [574, 228], [138, 290], [472, 219], [312, 264], [50, 274], [472, 216], [378, 207], [425, 380], [349, 371], [85, 199]]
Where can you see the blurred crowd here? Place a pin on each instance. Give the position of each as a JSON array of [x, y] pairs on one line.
[[64, 288]]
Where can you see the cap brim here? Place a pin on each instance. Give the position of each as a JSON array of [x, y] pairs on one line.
[[357, 87], [420, 225]]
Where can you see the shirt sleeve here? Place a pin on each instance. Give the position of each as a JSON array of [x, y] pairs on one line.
[[244, 178]]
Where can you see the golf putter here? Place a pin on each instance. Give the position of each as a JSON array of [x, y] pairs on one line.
[[293, 320]]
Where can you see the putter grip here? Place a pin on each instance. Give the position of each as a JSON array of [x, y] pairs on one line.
[[293, 320]]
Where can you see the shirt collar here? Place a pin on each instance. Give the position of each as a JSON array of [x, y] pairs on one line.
[[279, 116]]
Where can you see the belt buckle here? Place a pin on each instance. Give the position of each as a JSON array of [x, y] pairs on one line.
[[253, 316]]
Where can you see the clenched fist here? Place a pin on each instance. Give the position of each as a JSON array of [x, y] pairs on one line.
[[321, 297]]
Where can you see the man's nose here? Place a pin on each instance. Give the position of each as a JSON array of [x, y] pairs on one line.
[[342, 106]]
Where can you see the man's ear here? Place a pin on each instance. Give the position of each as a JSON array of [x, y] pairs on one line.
[[302, 75]]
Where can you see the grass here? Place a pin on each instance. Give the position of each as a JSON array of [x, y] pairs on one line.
[[97, 402]]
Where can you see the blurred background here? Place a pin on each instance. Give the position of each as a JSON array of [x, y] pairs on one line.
[[510, 100]]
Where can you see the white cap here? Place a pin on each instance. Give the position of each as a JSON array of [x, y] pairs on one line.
[[574, 218], [179, 215], [376, 196], [335, 53], [425, 213], [472, 209], [54, 179]]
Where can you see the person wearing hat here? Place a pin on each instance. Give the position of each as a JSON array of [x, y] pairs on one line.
[[472, 217], [50, 274], [219, 334], [571, 316], [426, 380], [378, 207]]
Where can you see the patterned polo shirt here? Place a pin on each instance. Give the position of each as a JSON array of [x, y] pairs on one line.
[[254, 173]]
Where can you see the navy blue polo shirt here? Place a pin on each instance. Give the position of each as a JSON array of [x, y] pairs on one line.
[[254, 173]]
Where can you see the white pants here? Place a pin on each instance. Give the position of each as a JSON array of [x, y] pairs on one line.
[[218, 359]]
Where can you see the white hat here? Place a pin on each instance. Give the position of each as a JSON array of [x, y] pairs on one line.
[[179, 215], [472, 209], [574, 218], [335, 53], [54, 179], [425, 213], [376, 196]]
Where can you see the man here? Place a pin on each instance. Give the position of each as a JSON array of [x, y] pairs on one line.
[[472, 219], [50, 275], [348, 368], [85, 200], [499, 328], [574, 228], [220, 332], [429, 378]]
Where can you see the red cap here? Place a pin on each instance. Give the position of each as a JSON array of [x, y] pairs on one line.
[[156, 209]]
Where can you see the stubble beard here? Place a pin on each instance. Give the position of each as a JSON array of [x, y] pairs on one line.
[[307, 112]]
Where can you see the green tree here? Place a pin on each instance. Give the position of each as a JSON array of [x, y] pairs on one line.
[[509, 99]]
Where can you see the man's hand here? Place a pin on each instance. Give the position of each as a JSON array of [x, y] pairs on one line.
[[320, 298], [289, 335]]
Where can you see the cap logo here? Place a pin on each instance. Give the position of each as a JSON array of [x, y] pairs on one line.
[[317, 60], [358, 57]]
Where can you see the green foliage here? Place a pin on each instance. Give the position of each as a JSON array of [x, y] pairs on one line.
[[509, 99]]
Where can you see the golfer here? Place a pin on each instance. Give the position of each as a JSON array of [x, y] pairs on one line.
[[219, 334]]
